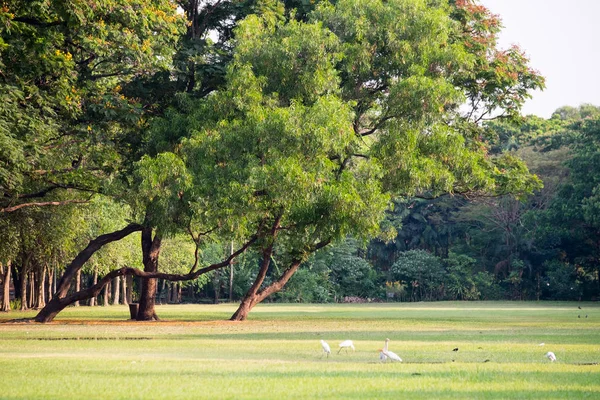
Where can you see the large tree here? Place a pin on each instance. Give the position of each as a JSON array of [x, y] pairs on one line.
[[310, 138]]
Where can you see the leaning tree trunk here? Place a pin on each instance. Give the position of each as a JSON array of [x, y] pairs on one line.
[[5, 306], [252, 297], [150, 253], [250, 301], [57, 304], [255, 295]]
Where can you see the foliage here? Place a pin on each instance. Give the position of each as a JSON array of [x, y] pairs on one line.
[[422, 271]]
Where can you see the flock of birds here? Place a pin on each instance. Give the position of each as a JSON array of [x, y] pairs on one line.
[[385, 353]]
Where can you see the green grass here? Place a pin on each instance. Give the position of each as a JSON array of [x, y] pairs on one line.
[[95, 353]]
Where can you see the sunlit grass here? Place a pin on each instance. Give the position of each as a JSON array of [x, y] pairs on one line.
[[194, 352]]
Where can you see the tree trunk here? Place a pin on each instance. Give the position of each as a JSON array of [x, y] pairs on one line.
[[48, 288], [251, 297], [129, 291], [31, 290], [16, 276], [56, 305], [231, 276], [217, 286], [77, 285], [5, 306], [23, 288], [150, 253], [124, 290], [93, 299], [116, 290], [106, 295], [40, 283]]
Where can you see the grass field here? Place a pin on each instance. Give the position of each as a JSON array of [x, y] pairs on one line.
[[195, 353]]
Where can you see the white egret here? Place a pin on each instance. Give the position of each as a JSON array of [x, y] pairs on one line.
[[551, 356], [384, 353], [345, 344], [326, 348]]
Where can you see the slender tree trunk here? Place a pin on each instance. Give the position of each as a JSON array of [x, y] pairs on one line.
[[49, 283], [129, 291], [54, 282], [217, 286], [93, 299], [31, 290], [23, 288], [150, 252], [77, 285], [124, 290], [231, 276], [116, 290], [5, 306], [56, 305], [40, 283], [16, 276], [106, 295]]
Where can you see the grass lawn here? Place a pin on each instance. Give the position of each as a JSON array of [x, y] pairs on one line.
[[95, 353]]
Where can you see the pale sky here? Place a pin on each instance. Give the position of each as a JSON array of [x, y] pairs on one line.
[[562, 40]]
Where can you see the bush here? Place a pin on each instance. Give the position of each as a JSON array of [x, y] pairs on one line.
[[422, 271]]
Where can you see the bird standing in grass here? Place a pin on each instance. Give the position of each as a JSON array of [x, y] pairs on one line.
[[326, 348], [551, 356], [384, 353], [345, 345]]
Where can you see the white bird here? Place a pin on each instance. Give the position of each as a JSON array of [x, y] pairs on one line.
[[345, 344], [541, 344], [551, 356], [326, 348], [385, 353]]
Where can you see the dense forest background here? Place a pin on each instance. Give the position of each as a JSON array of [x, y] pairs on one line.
[[540, 247], [258, 164]]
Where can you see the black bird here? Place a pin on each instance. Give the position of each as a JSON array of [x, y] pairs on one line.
[[586, 315], [579, 307], [486, 361], [456, 349], [579, 316]]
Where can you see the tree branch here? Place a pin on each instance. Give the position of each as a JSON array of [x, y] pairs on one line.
[[43, 204]]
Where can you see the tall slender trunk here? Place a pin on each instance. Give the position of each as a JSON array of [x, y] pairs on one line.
[[124, 290], [116, 290], [48, 288], [77, 285], [5, 306], [129, 291], [54, 282], [106, 295], [16, 276], [217, 285], [23, 288], [40, 284], [150, 253], [31, 290], [231, 276], [93, 299]]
